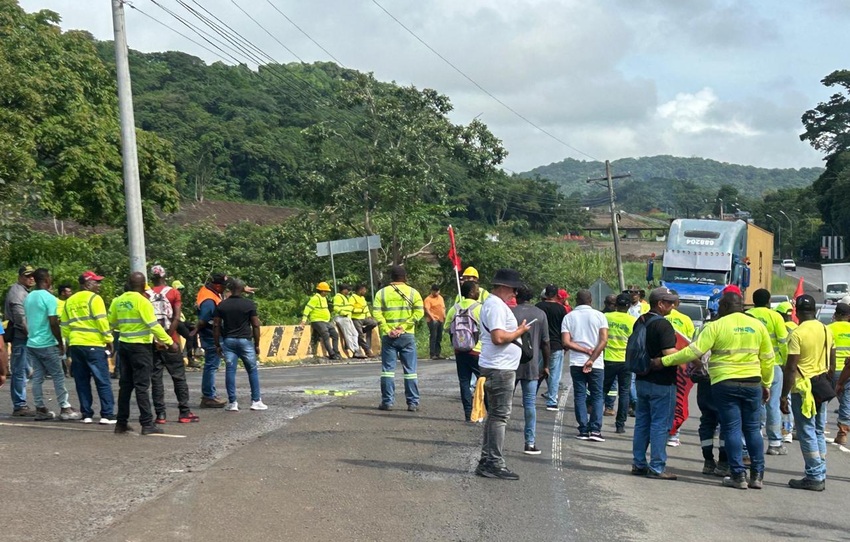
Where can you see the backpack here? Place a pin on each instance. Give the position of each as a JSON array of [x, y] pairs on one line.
[[637, 358], [525, 346], [464, 329], [162, 308]]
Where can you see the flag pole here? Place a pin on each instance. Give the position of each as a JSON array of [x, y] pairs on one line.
[[455, 260]]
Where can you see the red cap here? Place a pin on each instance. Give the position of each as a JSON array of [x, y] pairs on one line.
[[733, 289], [90, 275], [563, 294]]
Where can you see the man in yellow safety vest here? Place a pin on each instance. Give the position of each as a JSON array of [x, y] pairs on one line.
[[840, 328], [317, 312], [620, 324]]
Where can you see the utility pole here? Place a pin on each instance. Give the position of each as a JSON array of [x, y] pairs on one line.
[[614, 228], [130, 158]]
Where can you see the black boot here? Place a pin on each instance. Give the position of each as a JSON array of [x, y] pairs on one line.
[[756, 480]]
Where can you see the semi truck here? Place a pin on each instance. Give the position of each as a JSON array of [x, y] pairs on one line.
[[703, 256], [835, 278]]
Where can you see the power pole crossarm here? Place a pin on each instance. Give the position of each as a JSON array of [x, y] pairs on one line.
[[132, 191], [615, 230]]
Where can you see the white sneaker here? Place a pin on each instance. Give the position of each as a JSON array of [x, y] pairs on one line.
[[259, 405], [87, 420], [107, 421], [232, 407]]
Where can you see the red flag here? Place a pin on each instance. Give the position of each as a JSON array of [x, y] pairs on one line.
[[453, 256], [797, 293]]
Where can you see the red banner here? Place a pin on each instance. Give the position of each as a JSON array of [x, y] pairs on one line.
[[453, 256], [797, 293]]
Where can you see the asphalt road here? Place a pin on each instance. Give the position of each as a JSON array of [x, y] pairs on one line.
[[347, 471], [811, 280]]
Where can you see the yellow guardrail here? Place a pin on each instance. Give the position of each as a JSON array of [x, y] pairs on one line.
[[290, 343]]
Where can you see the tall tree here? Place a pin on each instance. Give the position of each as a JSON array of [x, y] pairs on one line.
[[828, 124]]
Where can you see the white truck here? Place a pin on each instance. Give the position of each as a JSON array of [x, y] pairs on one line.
[[835, 280]]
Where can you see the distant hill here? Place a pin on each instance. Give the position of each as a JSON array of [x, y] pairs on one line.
[[571, 174]]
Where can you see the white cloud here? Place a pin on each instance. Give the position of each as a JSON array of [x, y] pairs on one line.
[[692, 114]]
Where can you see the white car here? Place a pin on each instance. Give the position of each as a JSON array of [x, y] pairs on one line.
[[775, 300], [789, 265]]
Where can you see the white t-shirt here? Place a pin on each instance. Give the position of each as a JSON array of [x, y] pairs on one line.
[[495, 314], [583, 324]]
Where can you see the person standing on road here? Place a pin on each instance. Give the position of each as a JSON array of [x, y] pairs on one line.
[[17, 336], [779, 338], [786, 310], [63, 293], [741, 371], [840, 328], [208, 298], [168, 305], [500, 357], [555, 314], [237, 336], [528, 373], [88, 333], [620, 325], [435, 314], [317, 312], [46, 349], [463, 323], [362, 319], [811, 353], [398, 307], [342, 309], [133, 315], [584, 333], [656, 391]]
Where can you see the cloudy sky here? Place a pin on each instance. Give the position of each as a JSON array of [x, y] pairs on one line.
[[721, 79]]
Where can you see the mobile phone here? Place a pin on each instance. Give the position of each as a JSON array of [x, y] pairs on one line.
[[529, 323]]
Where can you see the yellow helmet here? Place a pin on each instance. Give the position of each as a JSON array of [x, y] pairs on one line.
[[470, 272], [323, 287]]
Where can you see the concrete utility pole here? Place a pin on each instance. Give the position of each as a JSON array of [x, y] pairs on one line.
[[132, 192], [614, 228]]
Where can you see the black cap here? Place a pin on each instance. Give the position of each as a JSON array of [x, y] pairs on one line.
[[550, 291], [219, 278], [624, 300], [806, 303], [843, 309]]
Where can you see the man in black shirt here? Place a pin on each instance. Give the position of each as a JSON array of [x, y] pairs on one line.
[[236, 332], [656, 391], [555, 313]]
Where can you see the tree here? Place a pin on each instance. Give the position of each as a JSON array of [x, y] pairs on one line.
[[828, 124]]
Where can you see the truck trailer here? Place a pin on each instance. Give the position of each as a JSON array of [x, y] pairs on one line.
[[703, 256]]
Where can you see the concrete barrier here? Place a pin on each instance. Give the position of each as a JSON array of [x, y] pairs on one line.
[[288, 344]]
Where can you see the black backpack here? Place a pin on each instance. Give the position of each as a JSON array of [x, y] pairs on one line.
[[524, 343], [637, 357]]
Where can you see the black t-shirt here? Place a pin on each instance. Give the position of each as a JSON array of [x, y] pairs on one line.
[[660, 335], [236, 313], [555, 313]]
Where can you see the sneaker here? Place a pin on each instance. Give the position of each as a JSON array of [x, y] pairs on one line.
[[505, 474], [23, 412], [723, 469], [188, 418], [777, 450], [260, 405], [787, 437], [709, 466], [122, 428], [808, 484], [107, 421], [152, 430], [212, 402], [160, 418], [385, 406], [68, 413], [583, 436], [596, 437], [608, 412], [673, 441], [232, 407], [640, 471], [661, 475], [531, 449], [552, 408], [484, 470], [42, 414], [87, 420], [756, 480], [620, 430], [413, 408], [738, 481]]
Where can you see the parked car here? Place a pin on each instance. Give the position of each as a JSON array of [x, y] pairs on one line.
[[789, 265], [777, 299], [695, 312]]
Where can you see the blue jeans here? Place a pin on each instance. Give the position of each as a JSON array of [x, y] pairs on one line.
[[653, 420], [89, 362], [18, 369], [467, 367], [739, 407], [810, 435], [235, 349], [843, 402], [47, 361], [529, 394], [401, 348], [556, 366], [773, 416], [618, 379], [584, 383], [211, 365]]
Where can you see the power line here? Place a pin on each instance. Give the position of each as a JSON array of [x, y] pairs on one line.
[[484, 90], [267, 32], [305, 33], [154, 19]]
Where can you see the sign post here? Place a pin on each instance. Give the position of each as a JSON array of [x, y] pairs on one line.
[[343, 246]]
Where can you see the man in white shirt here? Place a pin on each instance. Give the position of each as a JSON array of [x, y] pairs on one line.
[[499, 360], [584, 334]]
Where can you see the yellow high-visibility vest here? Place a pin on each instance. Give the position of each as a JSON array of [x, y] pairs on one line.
[[620, 325], [133, 316], [342, 305], [316, 309], [777, 330], [841, 336], [392, 309], [83, 320]]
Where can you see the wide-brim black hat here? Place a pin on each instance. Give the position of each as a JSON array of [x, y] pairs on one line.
[[507, 277]]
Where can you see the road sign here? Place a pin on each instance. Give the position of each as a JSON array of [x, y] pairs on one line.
[[343, 246]]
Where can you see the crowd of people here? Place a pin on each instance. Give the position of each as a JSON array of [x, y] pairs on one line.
[[141, 328]]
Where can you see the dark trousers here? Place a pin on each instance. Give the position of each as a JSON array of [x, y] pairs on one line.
[[467, 365], [136, 369], [435, 332], [708, 422], [364, 329], [173, 363], [615, 371], [325, 331]]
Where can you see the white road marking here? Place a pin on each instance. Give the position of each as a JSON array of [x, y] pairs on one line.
[[558, 429]]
